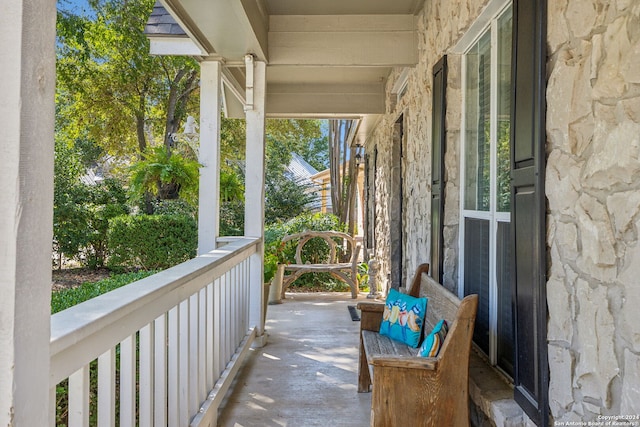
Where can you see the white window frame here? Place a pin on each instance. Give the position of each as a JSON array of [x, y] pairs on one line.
[[488, 21]]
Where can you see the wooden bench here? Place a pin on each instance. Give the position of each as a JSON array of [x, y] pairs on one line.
[[413, 390], [339, 244]]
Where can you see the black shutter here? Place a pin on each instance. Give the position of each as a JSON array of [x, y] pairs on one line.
[[437, 167], [528, 208]]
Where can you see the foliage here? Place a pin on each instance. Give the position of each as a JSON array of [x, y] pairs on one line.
[[284, 199], [165, 175], [174, 207], [151, 242], [276, 252], [363, 274], [504, 166], [65, 298], [232, 218], [82, 211], [109, 88], [69, 221]]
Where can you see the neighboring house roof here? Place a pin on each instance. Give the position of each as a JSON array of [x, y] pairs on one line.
[[299, 169], [161, 23]]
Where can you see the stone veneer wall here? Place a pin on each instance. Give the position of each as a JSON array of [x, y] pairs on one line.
[[592, 184], [440, 25], [593, 191]]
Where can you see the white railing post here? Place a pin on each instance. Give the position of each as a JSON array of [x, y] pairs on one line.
[[209, 156], [254, 196], [27, 85]]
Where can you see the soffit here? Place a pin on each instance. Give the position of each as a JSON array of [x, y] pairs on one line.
[[326, 58]]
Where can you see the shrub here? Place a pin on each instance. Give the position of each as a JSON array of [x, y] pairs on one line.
[[151, 242], [81, 218], [275, 252], [174, 207]]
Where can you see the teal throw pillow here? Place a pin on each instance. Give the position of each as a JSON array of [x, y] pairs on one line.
[[433, 342], [403, 318]]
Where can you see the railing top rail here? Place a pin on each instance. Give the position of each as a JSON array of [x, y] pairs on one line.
[[81, 333]]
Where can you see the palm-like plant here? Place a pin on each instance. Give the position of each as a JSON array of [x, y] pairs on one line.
[[166, 175]]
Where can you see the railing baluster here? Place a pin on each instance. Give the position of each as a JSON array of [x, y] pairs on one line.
[[224, 327], [107, 389], [146, 376], [217, 327], [210, 327], [202, 345], [183, 365], [160, 372], [245, 295], [174, 363], [128, 381], [79, 398], [240, 331], [232, 309], [194, 400]]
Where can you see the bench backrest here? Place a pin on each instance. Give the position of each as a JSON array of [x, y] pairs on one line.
[[338, 243], [443, 304]]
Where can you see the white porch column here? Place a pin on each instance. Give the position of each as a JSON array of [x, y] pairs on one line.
[[27, 85], [209, 192], [254, 184]]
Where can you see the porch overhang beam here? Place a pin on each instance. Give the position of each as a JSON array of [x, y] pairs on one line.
[[177, 46], [230, 29], [343, 40], [324, 99]]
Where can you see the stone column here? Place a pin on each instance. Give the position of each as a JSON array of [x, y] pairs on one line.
[[27, 85], [209, 156], [254, 184]]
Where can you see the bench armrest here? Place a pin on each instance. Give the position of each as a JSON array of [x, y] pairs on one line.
[[424, 363], [370, 315], [371, 306]]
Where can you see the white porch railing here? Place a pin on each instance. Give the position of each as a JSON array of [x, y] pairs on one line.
[[178, 338]]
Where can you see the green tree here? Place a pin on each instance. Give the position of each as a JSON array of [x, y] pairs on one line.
[[344, 173], [110, 87], [285, 198], [69, 217]]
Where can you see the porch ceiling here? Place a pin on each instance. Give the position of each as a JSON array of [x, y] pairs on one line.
[[327, 58]]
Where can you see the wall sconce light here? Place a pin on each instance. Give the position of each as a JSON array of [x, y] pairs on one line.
[[359, 150]]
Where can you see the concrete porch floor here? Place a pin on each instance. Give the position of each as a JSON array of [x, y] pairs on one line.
[[307, 373]]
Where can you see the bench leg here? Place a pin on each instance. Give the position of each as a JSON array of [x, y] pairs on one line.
[[351, 281], [364, 377]]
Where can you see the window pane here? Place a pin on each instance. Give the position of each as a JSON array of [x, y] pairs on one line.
[[477, 152], [504, 109], [476, 275]]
